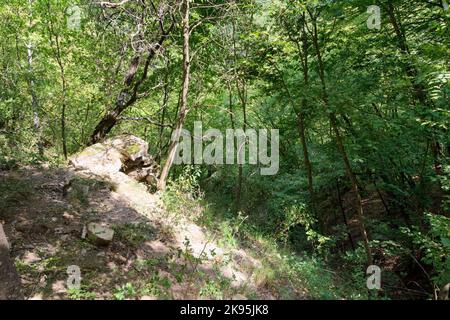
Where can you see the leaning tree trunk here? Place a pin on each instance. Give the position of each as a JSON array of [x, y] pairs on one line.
[[129, 94], [184, 109], [126, 97], [333, 121], [355, 188], [131, 84]]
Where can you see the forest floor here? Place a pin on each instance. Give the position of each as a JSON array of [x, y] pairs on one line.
[[154, 254]]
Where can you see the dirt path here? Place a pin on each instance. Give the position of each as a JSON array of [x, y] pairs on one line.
[[153, 254]]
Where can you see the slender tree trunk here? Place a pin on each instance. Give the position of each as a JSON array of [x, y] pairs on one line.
[[420, 93], [230, 107], [242, 94], [184, 109], [334, 126], [165, 102], [302, 134], [419, 90], [355, 189], [302, 50], [307, 162], [233, 126], [54, 38], [303, 53], [31, 86], [243, 97], [344, 217]]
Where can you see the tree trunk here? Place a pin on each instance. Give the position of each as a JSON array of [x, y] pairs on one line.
[[129, 93], [333, 121], [302, 50], [242, 94], [184, 109], [237, 203], [344, 217], [31, 86], [243, 98], [54, 39], [303, 53], [307, 162], [165, 102], [420, 93], [126, 98], [355, 189], [241, 149]]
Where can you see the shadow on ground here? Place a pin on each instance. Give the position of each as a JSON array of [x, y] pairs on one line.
[[44, 220]]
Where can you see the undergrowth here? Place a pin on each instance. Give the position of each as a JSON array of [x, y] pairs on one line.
[[285, 273]]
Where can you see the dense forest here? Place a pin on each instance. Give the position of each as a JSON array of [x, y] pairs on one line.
[[347, 102]]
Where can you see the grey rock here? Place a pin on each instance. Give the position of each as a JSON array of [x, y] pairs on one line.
[[99, 233]]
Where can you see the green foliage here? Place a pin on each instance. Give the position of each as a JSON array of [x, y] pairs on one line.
[[81, 294], [257, 66], [133, 234], [435, 246], [216, 289], [127, 291], [180, 196], [314, 276], [157, 286], [298, 215], [444, 180]]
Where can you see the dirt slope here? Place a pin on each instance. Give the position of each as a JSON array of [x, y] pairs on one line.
[[153, 255]]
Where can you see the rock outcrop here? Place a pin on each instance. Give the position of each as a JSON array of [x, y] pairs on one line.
[[126, 153]]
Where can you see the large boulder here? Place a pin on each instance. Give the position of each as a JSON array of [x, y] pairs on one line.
[[99, 158], [131, 147], [125, 153]]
